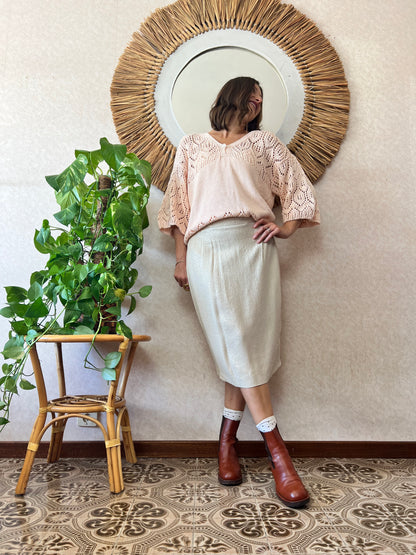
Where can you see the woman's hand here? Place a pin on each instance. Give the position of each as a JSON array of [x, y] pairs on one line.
[[266, 230], [180, 274]]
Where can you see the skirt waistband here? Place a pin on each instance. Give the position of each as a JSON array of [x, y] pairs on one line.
[[236, 225]]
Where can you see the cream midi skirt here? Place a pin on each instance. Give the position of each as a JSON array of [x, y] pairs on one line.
[[235, 287]]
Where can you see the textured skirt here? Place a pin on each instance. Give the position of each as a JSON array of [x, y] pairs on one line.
[[235, 287]]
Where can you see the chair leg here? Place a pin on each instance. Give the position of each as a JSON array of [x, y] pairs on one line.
[[32, 447], [55, 445], [113, 447], [24, 475], [127, 438]]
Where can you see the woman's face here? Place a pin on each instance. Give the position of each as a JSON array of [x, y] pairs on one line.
[[254, 104]]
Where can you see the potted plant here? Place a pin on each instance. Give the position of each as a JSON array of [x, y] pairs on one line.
[[91, 251]]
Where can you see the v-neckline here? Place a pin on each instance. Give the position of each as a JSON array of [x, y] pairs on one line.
[[227, 144]]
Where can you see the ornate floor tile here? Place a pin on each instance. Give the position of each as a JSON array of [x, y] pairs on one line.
[[352, 473], [44, 539], [177, 506], [361, 542], [17, 513], [389, 519]]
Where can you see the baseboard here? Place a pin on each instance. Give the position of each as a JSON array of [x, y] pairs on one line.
[[208, 449]]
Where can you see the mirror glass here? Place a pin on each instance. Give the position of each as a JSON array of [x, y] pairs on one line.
[[199, 82], [193, 74]]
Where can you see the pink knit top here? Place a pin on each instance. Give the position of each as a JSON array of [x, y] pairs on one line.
[[211, 181]]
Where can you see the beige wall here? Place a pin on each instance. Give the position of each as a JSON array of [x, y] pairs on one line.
[[349, 296]]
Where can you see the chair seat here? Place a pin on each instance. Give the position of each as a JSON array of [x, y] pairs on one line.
[[83, 403]]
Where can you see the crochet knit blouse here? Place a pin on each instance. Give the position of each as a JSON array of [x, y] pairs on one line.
[[211, 181]]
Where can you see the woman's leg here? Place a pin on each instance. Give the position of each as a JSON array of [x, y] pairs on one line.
[[259, 402], [233, 398], [289, 487]]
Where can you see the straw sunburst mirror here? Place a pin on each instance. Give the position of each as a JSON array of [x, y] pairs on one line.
[[177, 61]]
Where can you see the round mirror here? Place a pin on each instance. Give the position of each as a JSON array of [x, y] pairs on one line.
[[170, 73]]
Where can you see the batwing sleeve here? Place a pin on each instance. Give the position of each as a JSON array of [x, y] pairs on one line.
[[175, 208], [295, 191]]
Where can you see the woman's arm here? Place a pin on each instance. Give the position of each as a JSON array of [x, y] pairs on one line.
[[266, 230], [180, 268]]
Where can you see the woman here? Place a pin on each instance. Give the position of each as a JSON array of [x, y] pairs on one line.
[[223, 184]]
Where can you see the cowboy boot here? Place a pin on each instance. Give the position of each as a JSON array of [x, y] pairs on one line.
[[289, 487], [229, 471]]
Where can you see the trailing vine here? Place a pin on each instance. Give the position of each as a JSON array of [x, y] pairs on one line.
[[90, 270]]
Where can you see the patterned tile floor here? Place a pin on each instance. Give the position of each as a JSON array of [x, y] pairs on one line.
[[176, 506]]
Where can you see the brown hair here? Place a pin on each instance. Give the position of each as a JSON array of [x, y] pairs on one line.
[[232, 98]]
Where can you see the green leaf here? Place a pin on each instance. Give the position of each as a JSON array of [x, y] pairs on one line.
[[83, 330], [116, 310], [146, 171], [145, 291], [127, 176], [3, 421], [31, 335], [112, 359], [109, 374], [20, 327], [133, 274], [7, 368], [10, 384], [136, 229], [7, 312], [37, 309], [94, 157], [122, 218], [14, 349], [40, 277], [65, 198], [81, 272], [71, 315], [145, 219], [86, 294], [142, 167], [43, 240], [102, 244], [120, 293], [135, 200], [74, 251], [132, 305], [73, 175], [19, 309], [35, 291], [66, 216], [86, 306], [16, 294], [113, 154], [68, 279], [57, 265], [24, 384], [122, 329], [51, 179]]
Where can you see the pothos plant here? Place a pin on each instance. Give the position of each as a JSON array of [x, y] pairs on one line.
[[91, 251]]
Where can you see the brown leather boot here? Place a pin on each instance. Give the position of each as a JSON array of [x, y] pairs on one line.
[[229, 471], [289, 487]]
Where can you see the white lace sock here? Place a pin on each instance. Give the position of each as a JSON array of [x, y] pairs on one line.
[[231, 414], [267, 425]]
